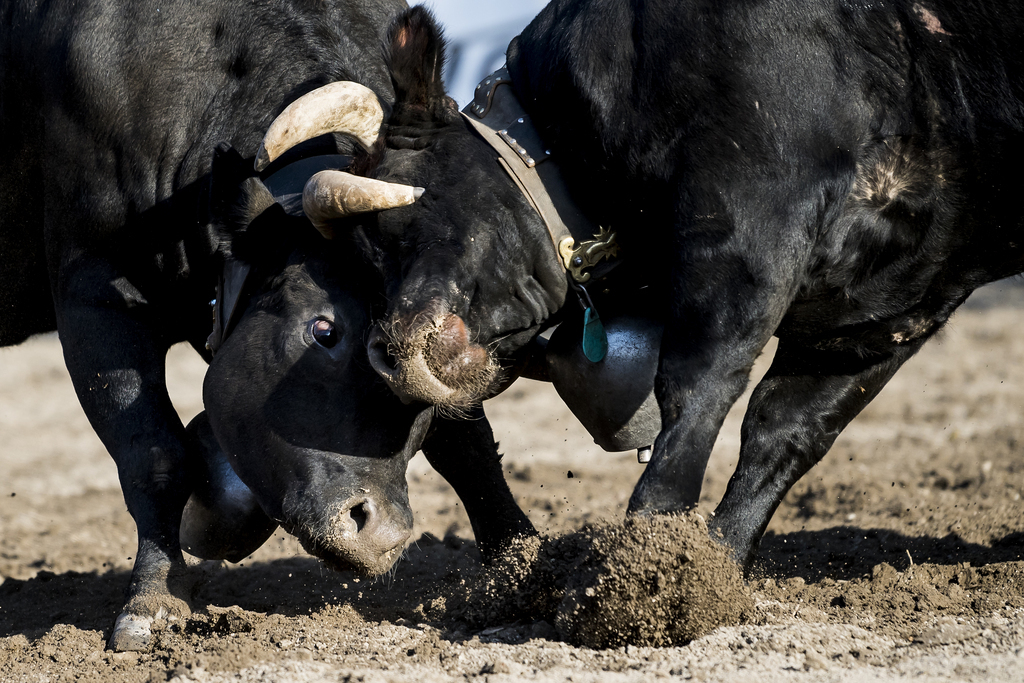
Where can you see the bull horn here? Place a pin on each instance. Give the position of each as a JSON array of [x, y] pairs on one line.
[[341, 107], [336, 194]]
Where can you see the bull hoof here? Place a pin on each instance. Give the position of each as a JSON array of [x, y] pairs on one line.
[[133, 629], [160, 595], [132, 633]]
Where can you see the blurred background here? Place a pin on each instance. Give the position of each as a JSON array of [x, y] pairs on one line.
[[478, 32]]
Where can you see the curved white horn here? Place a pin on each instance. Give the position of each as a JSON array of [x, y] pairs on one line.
[[336, 194], [341, 107]]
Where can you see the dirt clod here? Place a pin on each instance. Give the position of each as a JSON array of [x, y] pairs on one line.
[[651, 581]]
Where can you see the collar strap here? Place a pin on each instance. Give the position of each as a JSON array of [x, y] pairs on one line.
[[228, 306], [497, 116]]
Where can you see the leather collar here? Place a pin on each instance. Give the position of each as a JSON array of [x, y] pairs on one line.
[[580, 245]]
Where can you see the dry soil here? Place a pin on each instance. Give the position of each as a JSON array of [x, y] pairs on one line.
[[899, 557]]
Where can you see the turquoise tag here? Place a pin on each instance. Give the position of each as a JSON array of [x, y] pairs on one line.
[[595, 341]]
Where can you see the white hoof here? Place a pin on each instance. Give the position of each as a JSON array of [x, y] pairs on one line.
[[132, 633]]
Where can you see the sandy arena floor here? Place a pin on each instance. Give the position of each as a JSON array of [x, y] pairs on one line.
[[898, 558]]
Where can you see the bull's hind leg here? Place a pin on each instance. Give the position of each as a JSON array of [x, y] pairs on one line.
[[114, 348], [794, 415], [464, 453]]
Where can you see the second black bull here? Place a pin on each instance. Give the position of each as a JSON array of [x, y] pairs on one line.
[[839, 175]]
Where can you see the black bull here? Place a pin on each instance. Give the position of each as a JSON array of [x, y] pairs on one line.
[[115, 232], [838, 174]]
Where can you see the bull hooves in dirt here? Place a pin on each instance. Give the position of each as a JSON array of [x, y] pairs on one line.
[[650, 581], [132, 633], [163, 595]]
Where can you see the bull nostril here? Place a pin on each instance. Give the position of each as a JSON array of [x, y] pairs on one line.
[[359, 515], [382, 360]]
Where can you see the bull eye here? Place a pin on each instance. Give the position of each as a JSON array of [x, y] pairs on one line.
[[324, 333]]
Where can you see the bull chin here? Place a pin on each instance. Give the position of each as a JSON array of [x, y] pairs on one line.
[[343, 561]]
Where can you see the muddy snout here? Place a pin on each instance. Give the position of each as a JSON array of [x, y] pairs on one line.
[[434, 362], [361, 533]]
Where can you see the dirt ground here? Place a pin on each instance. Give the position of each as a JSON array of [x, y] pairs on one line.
[[900, 557]]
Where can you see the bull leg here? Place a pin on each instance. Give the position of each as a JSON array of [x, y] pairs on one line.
[[795, 414], [465, 454], [733, 267], [115, 355], [709, 345]]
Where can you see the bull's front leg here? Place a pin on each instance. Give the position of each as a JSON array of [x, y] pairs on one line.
[[795, 414], [114, 349], [722, 312], [465, 454]]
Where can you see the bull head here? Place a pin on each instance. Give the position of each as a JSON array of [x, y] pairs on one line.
[[341, 107], [293, 409], [470, 273]]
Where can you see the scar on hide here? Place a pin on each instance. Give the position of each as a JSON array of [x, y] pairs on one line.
[[930, 21], [914, 328], [883, 178]]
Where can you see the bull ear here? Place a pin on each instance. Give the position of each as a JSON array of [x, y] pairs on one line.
[[417, 49], [237, 198]]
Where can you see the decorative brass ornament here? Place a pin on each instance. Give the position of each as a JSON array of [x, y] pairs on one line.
[[588, 254]]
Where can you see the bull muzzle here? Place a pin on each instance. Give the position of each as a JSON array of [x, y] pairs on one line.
[[433, 363], [362, 534]]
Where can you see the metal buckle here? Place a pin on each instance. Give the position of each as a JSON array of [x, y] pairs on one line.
[[587, 254]]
